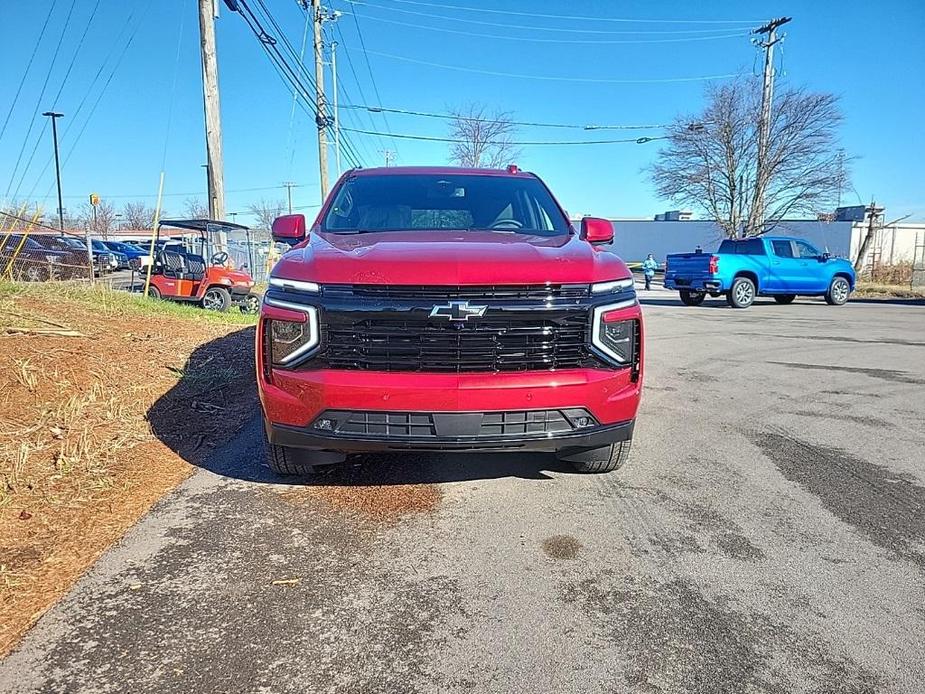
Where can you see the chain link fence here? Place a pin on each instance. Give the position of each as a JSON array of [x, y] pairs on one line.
[[33, 252]]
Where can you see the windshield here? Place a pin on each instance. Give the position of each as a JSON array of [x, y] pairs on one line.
[[401, 202]]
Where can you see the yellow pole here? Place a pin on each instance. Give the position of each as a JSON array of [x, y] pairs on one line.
[[22, 242], [157, 219]]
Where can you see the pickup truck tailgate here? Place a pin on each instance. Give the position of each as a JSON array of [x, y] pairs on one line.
[[688, 269]]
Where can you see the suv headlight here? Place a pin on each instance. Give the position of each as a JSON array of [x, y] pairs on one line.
[[288, 340], [614, 334]]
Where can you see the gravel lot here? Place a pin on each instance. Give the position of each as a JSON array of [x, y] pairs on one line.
[[768, 535]]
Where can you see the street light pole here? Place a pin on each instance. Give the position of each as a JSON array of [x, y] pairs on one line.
[[54, 134]]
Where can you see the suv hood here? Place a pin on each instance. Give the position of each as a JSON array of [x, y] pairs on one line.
[[448, 258]]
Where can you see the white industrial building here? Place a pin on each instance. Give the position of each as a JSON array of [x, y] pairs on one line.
[[675, 232]]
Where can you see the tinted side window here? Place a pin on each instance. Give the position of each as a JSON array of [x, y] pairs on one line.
[[751, 247], [782, 249]]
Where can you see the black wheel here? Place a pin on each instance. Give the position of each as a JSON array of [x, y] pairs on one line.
[[606, 459], [154, 292], [216, 299], [250, 304], [689, 298], [785, 298], [741, 293], [838, 293], [284, 460]]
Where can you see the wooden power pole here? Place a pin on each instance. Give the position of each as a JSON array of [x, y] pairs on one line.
[[764, 124], [216, 174], [321, 109]]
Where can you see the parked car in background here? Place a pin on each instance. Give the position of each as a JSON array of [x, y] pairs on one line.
[[125, 252], [777, 266], [103, 259], [37, 258]]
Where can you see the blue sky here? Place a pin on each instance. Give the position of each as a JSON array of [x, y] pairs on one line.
[[868, 53]]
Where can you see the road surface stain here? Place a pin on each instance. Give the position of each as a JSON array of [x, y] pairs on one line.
[[561, 547]]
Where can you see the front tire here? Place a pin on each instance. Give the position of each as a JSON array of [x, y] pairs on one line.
[[741, 293], [597, 460], [785, 298], [839, 291], [154, 292], [689, 298], [287, 461], [216, 299]]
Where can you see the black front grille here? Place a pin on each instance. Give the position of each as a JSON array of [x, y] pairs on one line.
[[498, 341], [425, 425], [539, 292]]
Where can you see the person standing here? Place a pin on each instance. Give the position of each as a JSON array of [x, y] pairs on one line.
[[649, 266]]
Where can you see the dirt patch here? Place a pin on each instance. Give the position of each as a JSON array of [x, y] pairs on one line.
[[561, 547], [367, 492], [79, 463]]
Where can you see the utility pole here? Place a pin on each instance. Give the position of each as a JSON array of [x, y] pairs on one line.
[[289, 185], [873, 213], [207, 12], [389, 155], [764, 124], [336, 116], [321, 109]]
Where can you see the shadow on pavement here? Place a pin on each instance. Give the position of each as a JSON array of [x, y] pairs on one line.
[[212, 419]]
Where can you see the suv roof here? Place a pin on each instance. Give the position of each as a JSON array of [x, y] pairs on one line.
[[424, 170]]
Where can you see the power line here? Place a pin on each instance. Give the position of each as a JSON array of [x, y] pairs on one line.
[[54, 102], [428, 138], [99, 96], [745, 26], [135, 196], [553, 78], [285, 71], [25, 74], [38, 101], [357, 80], [451, 116], [625, 20], [583, 41], [372, 79]]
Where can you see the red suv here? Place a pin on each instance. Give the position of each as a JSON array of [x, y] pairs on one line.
[[446, 309]]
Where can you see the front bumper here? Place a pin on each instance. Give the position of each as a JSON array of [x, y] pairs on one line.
[[590, 438]]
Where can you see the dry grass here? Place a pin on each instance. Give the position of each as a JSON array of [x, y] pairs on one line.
[[874, 289], [90, 426]]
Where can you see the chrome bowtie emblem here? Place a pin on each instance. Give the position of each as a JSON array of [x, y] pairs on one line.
[[457, 311]]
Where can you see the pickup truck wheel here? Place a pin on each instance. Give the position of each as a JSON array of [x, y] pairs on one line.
[[838, 293], [606, 459], [216, 299], [689, 298], [785, 298], [741, 293]]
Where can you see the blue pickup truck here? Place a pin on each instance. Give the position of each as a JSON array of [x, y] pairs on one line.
[[743, 269]]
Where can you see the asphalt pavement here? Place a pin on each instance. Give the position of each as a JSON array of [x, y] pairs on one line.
[[767, 535]]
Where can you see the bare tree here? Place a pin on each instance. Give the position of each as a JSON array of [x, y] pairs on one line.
[[194, 208], [711, 159], [102, 223], [266, 211], [483, 138], [137, 215]]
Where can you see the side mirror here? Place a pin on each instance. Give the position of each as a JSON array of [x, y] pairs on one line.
[[290, 229], [594, 230], [824, 258]]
